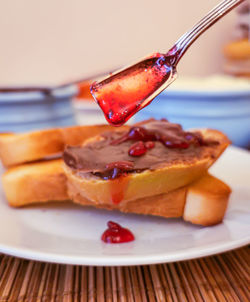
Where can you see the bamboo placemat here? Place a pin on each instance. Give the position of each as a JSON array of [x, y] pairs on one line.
[[224, 277]]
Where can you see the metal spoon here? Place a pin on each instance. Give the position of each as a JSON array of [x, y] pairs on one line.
[[129, 90]]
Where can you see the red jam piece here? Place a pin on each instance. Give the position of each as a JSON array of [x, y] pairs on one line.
[[150, 136], [128, 91], [149, 145], [118, 168], [176, 144], [123, 165], [136, 134], [137, 149], [117, 234], [139, 133]]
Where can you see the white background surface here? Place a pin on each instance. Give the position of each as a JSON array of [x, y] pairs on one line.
[[45, 42], [71, 234]]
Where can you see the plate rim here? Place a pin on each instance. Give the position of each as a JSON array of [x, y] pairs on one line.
[[119, 260]]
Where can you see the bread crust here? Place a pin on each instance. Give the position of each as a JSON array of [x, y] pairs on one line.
[[147, 183], [35, 182], [27, 147], [206, 201], [202, 202], [168, 205]]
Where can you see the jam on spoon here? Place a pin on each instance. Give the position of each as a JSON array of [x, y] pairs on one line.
[[122, 95], [117, 234], [127, 91]]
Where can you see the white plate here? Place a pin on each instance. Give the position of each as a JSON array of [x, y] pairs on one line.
[[70, 234]]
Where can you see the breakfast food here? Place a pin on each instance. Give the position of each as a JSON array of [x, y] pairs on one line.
[[237, 51], [203, 202], [18, 148], [152, 168], [175, 159], [237, 55]]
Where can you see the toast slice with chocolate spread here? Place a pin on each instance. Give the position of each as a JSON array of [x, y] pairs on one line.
[[18, 148], [149, 159], [202, 202], [152, 168]]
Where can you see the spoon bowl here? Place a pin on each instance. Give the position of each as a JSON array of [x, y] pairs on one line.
[[131, 89]]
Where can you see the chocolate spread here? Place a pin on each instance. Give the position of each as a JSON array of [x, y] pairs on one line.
[[109, 157]]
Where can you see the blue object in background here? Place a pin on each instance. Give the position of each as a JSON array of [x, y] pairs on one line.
[[226, 111], [31, 110]]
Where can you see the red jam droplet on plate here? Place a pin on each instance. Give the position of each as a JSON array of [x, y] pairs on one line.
[[128, 91], [117, 234]]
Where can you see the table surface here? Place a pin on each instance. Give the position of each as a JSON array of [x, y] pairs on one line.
[[223, 277]]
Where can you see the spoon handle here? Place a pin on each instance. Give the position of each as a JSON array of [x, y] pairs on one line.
[[180, 47]]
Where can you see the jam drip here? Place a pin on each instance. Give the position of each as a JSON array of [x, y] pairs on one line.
[[117, 234], [126, 92]]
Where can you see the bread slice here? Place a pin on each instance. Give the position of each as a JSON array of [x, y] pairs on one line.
[[149, 182], [26, 147], [203, 202], [206, 200], [35, 182]]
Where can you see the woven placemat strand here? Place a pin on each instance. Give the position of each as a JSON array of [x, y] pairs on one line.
[[223, 277]]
